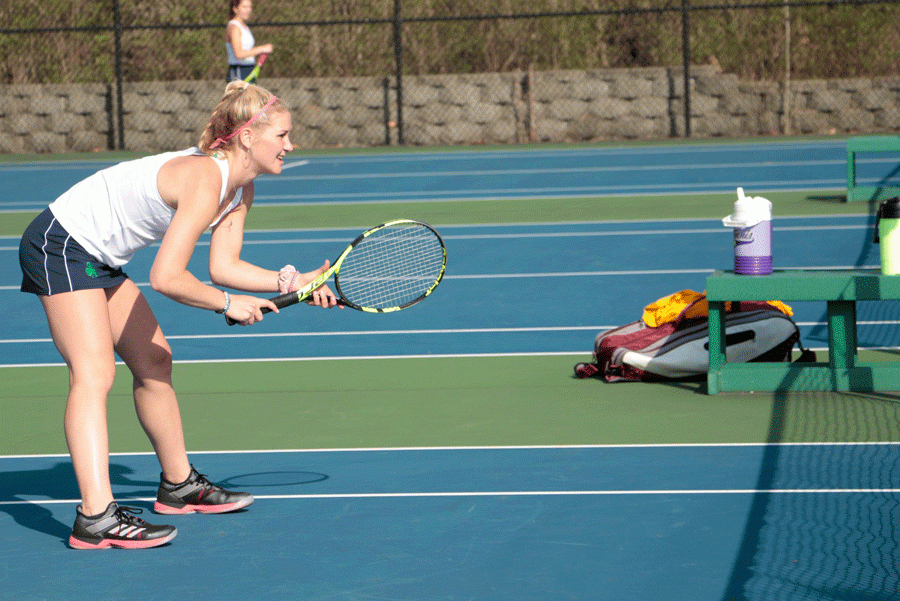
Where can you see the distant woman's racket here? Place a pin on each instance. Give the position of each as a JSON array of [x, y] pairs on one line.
[[255, 73], [387, 268]]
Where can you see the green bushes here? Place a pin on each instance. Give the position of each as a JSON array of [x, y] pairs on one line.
[[828, 41]]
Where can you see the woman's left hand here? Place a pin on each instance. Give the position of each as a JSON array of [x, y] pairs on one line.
[[322, 296]]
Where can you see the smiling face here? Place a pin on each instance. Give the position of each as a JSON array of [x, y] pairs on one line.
[[243, 9], [269, 143]]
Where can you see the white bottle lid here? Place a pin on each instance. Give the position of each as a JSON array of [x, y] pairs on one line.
[[748, 211]]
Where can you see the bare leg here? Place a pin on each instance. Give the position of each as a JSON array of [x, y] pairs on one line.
[[79, 324], [140, 342]]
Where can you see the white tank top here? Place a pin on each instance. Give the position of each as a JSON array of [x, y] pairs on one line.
[[247, 42], [119, 210]]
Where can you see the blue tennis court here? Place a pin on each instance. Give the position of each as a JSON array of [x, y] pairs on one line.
[[517, 173], [499, 523], [409, 460]]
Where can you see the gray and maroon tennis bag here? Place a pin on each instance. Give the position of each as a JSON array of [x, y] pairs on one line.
[[754, 331]]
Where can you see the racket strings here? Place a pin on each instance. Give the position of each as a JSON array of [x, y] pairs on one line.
[[392, 267]]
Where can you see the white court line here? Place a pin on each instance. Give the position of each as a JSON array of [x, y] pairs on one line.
[[557, 170], [542, 493], [513, 493], [579, 353], [358, 333], [569, 274], [597, 328], [673, 148], [518, 493], [489, 155], [534, 235], [294, 164], [341, 333], [539, 447], [781, 219], [496, 194]]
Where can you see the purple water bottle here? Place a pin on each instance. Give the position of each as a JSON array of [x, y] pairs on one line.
[[752, 223]]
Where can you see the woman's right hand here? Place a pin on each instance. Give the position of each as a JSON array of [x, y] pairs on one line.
[[247, 310]]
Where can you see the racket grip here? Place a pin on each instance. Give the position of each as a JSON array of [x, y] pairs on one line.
[[285, 300]]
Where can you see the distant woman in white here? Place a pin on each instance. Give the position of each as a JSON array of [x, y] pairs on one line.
[[240, 44]]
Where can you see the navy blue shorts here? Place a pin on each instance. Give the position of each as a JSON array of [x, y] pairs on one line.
[[236, 72], [52, 261]]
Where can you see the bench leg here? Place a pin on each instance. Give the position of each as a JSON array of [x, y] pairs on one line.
[[841, 341], [716, 345], [851, 174]]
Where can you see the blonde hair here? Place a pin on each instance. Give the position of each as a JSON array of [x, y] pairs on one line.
[[241, 102]]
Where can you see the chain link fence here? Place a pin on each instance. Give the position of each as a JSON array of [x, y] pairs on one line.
[[123, 74]]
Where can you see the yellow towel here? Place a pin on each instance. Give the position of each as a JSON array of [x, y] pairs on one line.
[[668, 308]]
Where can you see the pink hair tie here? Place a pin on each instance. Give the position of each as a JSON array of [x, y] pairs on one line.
[[220, 141]]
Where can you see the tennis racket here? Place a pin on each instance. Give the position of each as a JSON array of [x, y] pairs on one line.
[[255, 73], [387, 268]]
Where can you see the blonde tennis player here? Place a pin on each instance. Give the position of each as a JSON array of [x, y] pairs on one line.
[[72, 257]]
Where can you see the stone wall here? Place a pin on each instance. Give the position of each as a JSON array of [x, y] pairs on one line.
[[55, 118], [508, 108]]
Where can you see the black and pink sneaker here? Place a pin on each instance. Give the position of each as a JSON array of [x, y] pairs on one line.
[[198, 495], [117, 527]]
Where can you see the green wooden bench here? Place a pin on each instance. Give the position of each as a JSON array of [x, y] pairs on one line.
[[840, 290], [869, 144]]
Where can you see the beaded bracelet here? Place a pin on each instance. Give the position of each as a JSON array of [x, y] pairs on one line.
[[227, 303]]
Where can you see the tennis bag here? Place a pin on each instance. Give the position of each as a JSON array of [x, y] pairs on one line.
[[671, 341]]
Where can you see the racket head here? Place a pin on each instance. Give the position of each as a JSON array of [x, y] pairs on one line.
[[391, 266]]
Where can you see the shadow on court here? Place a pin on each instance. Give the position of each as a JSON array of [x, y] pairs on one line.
[[56, 483], [842, 547], [278, 479], [39, 519], [828, 198]]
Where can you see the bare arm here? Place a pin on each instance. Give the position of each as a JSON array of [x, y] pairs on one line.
[[193, 185], [226, 268]]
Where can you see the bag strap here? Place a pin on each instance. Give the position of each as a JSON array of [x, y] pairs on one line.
[[586, 370]]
